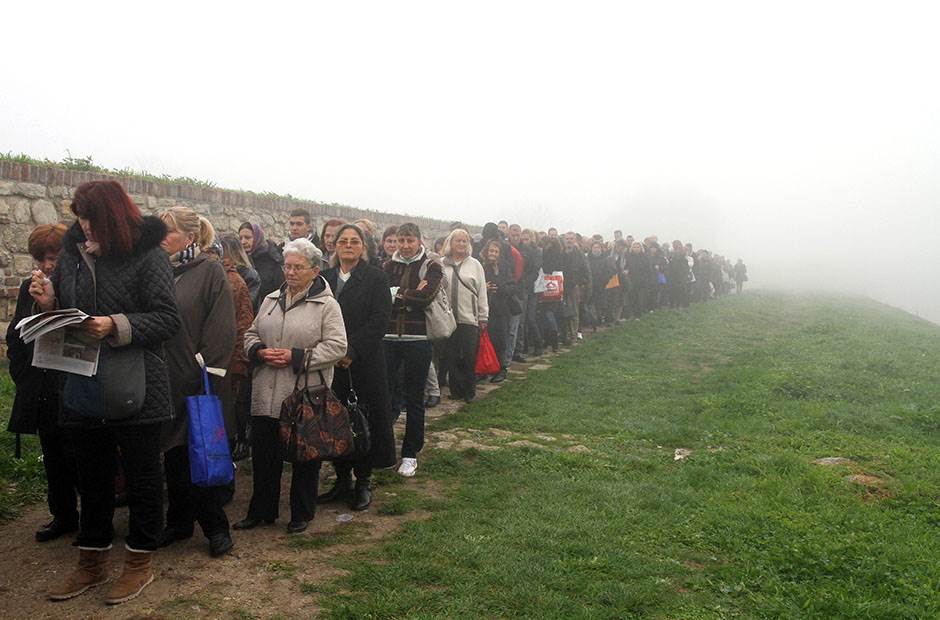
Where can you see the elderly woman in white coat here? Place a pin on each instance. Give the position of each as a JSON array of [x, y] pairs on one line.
[[298, 322]]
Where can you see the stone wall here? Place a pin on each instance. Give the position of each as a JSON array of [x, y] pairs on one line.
[[31, 195]]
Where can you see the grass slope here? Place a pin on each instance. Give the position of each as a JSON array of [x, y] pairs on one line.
[[758, 387]]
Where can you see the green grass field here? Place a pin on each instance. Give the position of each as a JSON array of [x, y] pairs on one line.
[[757, 387], [21, 480], [747, 526]]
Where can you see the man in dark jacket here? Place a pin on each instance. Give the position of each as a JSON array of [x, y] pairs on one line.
[[577, 281]]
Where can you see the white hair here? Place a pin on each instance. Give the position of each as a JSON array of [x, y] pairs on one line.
[[305, 249]]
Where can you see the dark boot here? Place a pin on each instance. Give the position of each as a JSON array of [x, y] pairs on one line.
[[363, 495], [342, 490]]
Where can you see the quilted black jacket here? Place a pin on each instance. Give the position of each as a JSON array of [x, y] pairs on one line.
[[138, 292]]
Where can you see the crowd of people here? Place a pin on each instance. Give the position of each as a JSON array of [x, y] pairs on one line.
[[344, 306]]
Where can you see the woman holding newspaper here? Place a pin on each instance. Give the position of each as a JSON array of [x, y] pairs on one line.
[[112, 268]]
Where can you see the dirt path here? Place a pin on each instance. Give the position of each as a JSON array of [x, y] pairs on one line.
[[268, 574]]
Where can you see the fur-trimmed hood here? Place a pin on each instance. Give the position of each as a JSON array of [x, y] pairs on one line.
[[152, 232]]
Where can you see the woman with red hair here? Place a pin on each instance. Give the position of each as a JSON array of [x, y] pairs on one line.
[[112, 268]]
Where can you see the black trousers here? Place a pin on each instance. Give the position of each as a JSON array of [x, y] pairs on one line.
[[187, 503], [415, 357], [533, 336], [459, 357], [268, 465], [361, 466], [95, 450], [58, 459]]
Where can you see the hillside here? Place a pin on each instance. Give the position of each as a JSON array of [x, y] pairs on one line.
[[760, 456]]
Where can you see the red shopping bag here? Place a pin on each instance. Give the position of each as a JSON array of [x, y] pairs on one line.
[[487, 361], [554, 287]]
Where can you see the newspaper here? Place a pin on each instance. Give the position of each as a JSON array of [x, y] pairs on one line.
[[67, 349], [59, 345], [33, 327]]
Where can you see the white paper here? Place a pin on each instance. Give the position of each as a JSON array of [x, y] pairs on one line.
[[67, 350], [33, 327]]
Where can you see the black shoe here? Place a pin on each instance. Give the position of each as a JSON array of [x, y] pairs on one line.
[[498, 377], [432, 401], [249, 524], [342, 491], [519, 357], [296, 527], [54, 529], [470, 399], [172, 534], [220, 543], [363, 496]]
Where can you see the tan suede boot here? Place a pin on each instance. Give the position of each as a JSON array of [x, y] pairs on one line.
[[92, 571], [137, 575]]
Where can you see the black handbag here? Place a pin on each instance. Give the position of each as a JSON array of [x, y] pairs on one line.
[[362, 434], [115, 392], [119, 386]]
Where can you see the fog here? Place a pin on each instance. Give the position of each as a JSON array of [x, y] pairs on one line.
[[801, 137]]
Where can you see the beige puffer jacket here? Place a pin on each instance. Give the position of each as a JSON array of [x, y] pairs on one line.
[[313, 325]]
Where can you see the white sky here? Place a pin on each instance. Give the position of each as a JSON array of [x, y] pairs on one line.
[[801, 136]]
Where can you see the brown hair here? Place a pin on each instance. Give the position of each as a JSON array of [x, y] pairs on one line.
[[45, 239]]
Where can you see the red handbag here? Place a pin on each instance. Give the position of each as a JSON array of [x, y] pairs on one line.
[[487, 360]]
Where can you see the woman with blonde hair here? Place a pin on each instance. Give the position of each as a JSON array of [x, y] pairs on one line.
[[207, 309], [468, 299]]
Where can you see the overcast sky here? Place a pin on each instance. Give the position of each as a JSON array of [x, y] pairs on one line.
[[801, 137]]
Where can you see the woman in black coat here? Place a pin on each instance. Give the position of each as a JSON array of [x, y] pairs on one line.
[[500, 286], [36, 403], [641, 276], [363, 295], [112, 268]]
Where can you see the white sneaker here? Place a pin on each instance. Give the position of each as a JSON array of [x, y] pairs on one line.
[[408, 467]]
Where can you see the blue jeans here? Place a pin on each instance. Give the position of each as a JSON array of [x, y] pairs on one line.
[[415, 356]]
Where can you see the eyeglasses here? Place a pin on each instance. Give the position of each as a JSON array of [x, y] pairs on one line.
[[349, 242], [298, 268]]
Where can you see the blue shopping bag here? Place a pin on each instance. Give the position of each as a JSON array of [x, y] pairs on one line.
[[210, 462]]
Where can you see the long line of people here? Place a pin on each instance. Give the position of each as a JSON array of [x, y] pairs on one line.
[[341, 307]]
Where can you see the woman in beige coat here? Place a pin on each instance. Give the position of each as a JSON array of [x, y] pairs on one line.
[[301, 321]]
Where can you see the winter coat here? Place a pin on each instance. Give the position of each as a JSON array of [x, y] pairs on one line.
[[137, 292], [639, 271], [206, 306], [366, 305], [467, 292], [576, 269], [658, 263], [36, 400], [269, 263], [740, 272], [407, 317], [244, 316], [498, 324], [677, 272], [311, 326], [602, 270], [252, 281], [532, 255]]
